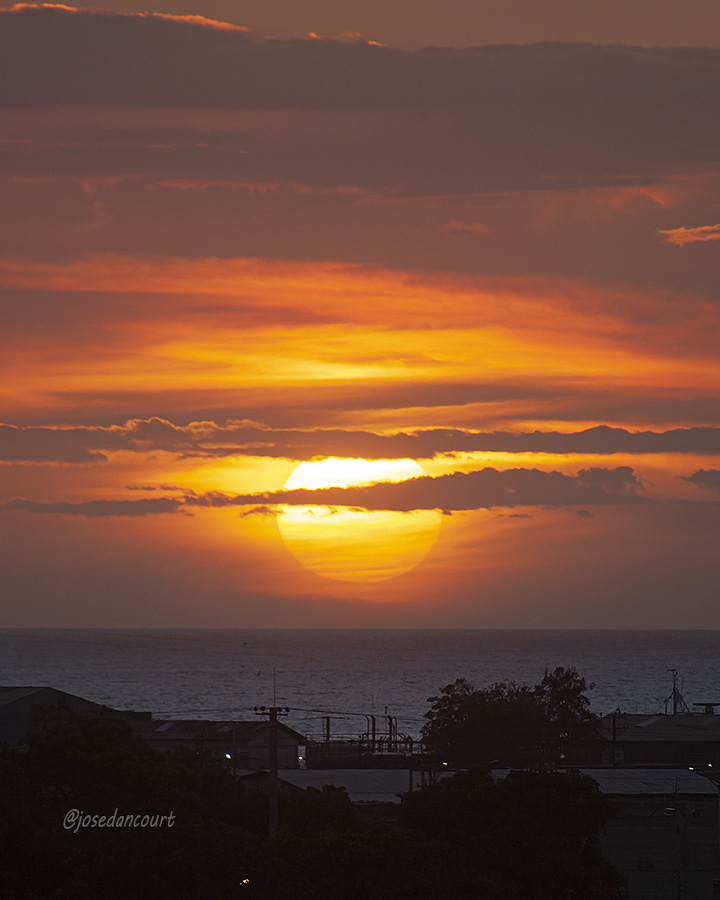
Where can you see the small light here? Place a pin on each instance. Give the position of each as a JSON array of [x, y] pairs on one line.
[[228, 756], [691, 768], [444, 764]]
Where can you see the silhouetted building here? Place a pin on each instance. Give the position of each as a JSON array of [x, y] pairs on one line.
[[685, 739], [27, 709], [245, 745], [663, 833]]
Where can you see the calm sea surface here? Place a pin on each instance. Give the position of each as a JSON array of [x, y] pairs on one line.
[[349, 675]]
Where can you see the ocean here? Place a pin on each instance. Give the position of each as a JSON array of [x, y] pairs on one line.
[[349, 675]]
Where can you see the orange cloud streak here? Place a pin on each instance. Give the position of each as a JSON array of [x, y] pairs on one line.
[[190, 19], [267, 332], [682, 236]]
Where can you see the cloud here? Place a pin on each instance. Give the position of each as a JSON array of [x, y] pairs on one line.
[[97, 508], [483, 489], [258, 511], [191, 19], [47, 445], [706, 478], [87, 444], [455, 227], [416, 123], [345, 36], [612, 480], [682, 236]]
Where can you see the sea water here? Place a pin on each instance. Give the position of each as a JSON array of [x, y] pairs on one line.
[[349, 675]]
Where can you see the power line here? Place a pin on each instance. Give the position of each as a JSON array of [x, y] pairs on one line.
[[336, 712], [327, 712]]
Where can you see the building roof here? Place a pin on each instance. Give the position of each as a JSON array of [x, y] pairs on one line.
[[685, 727], [652, 781], [636, 782], [11, 694], [207, 729]]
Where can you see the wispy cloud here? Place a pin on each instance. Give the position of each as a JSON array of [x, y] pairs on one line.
[[682, 236], [170, 17], [455, 227]]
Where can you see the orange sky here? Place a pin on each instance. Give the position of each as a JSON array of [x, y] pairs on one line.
[[224, 255]]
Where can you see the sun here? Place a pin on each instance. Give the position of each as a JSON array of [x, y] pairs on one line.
[[351, 544]]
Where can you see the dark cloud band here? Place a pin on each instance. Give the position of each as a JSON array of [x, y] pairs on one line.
[[97, 508], [203, 439], [483, 489], [438, 121]]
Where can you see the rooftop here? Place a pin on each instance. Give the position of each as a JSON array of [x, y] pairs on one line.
[[661, 727]]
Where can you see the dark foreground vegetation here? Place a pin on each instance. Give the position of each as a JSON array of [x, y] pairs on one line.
[[529, 836]]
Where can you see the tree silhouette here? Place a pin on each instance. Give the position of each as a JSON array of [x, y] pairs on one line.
[[529, 835], [513, 724]]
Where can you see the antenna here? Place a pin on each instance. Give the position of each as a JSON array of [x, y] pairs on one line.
[[677, 698]]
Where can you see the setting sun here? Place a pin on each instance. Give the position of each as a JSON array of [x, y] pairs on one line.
[[356, 544]]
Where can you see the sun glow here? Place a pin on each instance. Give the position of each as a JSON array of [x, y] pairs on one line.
[[334, 472], [356, 544]]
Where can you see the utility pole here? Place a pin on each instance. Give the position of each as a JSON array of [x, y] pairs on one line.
[[272, 712]]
